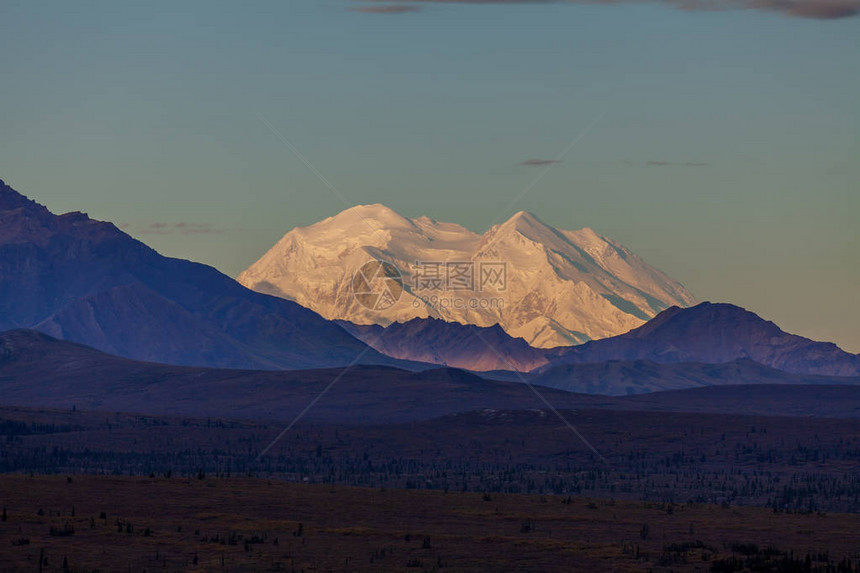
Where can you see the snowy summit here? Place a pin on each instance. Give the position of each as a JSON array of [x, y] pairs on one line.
[[561, 288]]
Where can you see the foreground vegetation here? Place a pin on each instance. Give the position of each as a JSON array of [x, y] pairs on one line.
[[103, 523], [786, 464]]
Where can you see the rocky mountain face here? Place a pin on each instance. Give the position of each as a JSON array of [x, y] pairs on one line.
[[88, 282], [450, 344], [547, 286]]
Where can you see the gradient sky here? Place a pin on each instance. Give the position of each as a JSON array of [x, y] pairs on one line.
[[722, 145]]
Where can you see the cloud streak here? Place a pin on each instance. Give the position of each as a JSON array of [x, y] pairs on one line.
[[181, 228], [810, 9], [539, 162], [675, 164], [382, 9]]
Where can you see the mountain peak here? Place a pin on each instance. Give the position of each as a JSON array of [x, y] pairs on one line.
[[84, 280], [723, 315], [373, 208], [524, 217], [717, 333], [526, 224], [376, 216], [11, 199], [561, 289], [711, 312]]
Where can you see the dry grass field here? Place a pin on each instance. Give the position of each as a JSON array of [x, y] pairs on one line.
[[89, 523]]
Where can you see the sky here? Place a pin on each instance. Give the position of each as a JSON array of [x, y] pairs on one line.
[[717, 140]]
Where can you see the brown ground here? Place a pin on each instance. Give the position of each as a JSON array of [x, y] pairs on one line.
[[162, 524]]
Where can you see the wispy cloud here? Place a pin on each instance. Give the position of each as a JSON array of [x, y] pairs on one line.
[[815, 9], [676, 164], [382, 9], [819, 10], [182, 228], [539, 162]]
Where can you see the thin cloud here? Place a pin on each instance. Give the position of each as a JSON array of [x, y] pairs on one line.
[[539, 162], [196, 228], [395, 9], [810, 9], [819, 10], [182, 228], [676, 164], [814, 9]]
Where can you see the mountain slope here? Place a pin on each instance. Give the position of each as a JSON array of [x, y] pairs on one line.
[[715, 333], [560, 288], [450, 344], [620, 378], [39, 371], [88, 282]]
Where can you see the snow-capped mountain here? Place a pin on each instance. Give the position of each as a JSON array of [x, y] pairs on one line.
[[547, 286]]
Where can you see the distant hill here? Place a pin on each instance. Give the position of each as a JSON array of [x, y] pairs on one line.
[[724, 335], [39, 371], [450, 343], [714, 333], [625, 377], [86, 281]]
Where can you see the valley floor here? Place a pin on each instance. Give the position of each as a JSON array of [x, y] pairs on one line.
[[108, 523], [784, 463]]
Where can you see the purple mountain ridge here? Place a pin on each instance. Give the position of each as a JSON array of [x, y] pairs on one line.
[[37, 371], [451, 344], [707, 333], [714, 333], [86, 281], [629, 377]]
